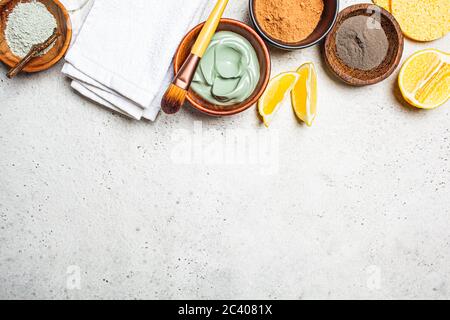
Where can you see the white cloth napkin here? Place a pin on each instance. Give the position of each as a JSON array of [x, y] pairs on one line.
[[121, 58]]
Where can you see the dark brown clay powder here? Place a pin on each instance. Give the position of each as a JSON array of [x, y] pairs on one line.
[[361, 43]]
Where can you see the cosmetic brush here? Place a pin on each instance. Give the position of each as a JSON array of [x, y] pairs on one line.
[[175, 95]]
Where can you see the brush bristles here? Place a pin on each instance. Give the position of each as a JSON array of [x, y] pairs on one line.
[[173, 99]]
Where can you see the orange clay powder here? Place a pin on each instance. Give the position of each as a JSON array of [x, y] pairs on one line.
[[288, 21]]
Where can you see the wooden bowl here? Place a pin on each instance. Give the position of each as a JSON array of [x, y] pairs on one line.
[[329, 15], [58, 50], [357, 77], [264, 63]]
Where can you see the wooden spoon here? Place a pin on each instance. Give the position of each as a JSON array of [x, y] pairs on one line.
[[35, 50]]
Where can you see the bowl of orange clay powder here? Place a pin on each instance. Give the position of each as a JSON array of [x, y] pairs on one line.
[[293, 24]]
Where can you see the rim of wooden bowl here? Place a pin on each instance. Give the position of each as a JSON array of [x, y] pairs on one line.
[[330, 54], [58, 57], [243, 105]]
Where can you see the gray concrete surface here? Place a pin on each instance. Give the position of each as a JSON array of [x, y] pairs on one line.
[[93, 205]]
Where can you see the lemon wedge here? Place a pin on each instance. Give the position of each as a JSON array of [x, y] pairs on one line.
[[276, 91], [424, 79], [304, 94]]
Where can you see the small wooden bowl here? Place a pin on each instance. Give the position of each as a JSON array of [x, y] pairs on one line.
[[58, 50], [264, 63], [357, 77]]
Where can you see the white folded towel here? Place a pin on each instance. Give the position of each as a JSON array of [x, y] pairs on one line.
[[122, 56]]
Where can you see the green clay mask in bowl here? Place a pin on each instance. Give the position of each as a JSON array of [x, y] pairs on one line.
[[228, 72]]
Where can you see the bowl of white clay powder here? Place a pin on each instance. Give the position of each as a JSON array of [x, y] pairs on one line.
[[25, 23]]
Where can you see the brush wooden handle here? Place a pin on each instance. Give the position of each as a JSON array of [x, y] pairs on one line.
[[210, 27]]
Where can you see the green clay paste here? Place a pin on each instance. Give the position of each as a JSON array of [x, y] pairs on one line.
[[228, 72]]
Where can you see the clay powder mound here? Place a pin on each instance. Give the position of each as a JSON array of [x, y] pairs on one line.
[[385, 4], [289, 21], [422, 20]]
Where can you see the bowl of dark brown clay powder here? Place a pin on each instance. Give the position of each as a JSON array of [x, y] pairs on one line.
[[365, 45]]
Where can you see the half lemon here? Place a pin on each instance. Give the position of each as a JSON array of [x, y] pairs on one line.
[[424, 79]]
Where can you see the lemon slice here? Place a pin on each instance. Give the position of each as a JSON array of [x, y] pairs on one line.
[[304, 94], [424, 79], [276, 91]]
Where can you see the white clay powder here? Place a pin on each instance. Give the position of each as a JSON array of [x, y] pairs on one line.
[[28, 24]]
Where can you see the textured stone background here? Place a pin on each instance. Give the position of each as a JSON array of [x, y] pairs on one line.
[[356, 207]]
